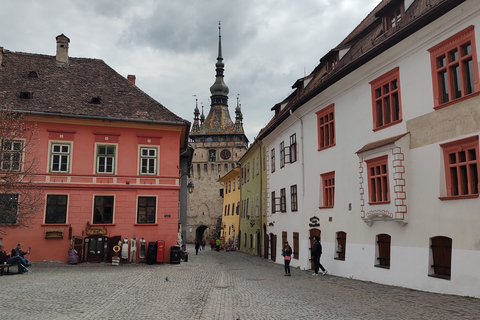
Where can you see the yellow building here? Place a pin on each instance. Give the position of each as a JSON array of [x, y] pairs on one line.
[[231, 210]]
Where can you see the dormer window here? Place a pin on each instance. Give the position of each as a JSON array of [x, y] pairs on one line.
[[33, 74], [96, 100], [393, 17], [391, 14], [332, 63], [26, 95]]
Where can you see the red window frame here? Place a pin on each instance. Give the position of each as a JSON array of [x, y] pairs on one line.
[[462, 165], [326, 127], [455, 69], [378, 181], [328, 189], [386, 100]]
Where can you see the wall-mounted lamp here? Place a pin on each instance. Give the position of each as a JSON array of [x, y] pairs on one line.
[[190, 187]]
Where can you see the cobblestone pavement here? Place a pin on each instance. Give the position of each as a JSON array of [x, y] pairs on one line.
[[212, 285]]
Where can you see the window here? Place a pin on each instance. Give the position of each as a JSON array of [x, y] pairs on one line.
[[454, 68], [212, 156], [326, 127], [8, 208], [56, 210], [148, 160], [11, 155], [378, 191], [272, 165], [328, 187], [293, 148], [293, 198], [248, 171], [228, 210], [282, 154], [105, 159], [253, 168], [103, 209], [283, 200], [461, 167], [295, 245], [386, 106], [233, 183], [441, 257], [393, 17], [273, 202], [383, 251], [146, 211], [225, 212], [284, 236], [341, 245], [60, 157], [229, 186], [237, 208], [233, 209]]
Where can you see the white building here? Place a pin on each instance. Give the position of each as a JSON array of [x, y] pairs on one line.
[[387, 153]]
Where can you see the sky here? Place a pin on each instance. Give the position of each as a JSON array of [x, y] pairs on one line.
[[171, 46]]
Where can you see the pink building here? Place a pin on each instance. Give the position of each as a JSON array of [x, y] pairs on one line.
[[107, 157]]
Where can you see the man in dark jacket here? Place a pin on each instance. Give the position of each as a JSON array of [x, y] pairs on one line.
[[316, 253]]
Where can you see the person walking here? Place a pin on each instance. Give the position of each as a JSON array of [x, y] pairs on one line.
[[316, 253], [287, 255], [197, 246]]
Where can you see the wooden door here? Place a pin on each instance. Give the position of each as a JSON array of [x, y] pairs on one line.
[[442, 256], [273, 246], [78, 246], [383, 242], [313, 233], [97, 248], [265, 245]]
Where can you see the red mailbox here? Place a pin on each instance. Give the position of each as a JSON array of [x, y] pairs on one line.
[[160, 251]]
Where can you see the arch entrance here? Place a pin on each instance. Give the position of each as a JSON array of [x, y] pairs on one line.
[[200, 233], [313, 233]]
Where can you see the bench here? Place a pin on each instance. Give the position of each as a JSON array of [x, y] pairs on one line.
[[3, 266]]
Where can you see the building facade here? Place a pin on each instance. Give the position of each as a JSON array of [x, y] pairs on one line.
[[388, 150], [106, 157], [253, 200], [231, 208], [218, 144]]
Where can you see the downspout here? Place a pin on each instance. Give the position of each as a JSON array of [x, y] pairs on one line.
[[302, 162]]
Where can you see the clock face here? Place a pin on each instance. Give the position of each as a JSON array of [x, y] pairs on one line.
[[225, 154]]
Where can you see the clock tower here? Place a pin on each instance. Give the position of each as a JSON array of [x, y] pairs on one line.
[[218, 144]]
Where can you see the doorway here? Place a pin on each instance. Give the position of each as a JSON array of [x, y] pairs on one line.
[[313, 233]]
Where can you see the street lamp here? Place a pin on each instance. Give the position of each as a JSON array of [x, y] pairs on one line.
[[190, 187]]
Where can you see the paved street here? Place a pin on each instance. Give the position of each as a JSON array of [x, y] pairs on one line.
[[212, 285]]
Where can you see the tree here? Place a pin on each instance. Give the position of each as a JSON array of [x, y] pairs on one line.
[[20, 194]]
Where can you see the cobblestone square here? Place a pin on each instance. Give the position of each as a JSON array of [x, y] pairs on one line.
[[212, 285]]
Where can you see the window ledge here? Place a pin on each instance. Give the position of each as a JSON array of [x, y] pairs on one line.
[[439, 276], [54, 225], [379, 202], [387, 125], [446, 104], [470, 196], [380, 266], [326, 207], [99, 225], [329, 146], [146, 224], [340, 259]]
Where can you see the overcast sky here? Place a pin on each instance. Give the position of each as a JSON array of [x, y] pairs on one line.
[[171, 46]]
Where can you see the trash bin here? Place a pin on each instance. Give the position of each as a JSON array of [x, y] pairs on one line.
[[151, 253], [175, 253]]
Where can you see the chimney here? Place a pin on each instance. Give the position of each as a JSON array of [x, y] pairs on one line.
[[131, 78], [62, 50]]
